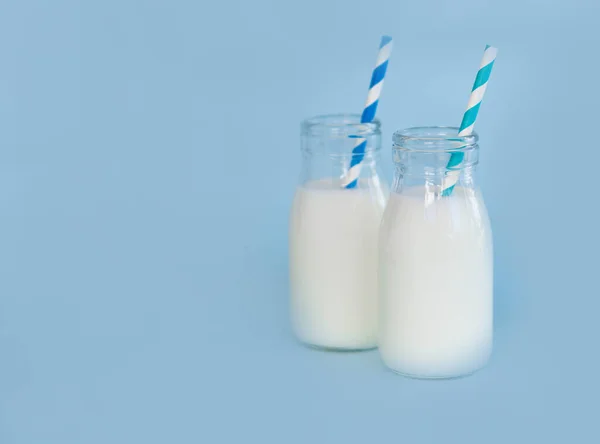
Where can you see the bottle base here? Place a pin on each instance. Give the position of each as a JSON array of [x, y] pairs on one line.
[[437, 377], [337, 349]]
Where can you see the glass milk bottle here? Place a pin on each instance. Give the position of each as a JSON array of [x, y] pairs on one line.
[[333, 234], [435, 259]]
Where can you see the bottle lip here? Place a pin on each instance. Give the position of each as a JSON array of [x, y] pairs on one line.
[[339, 125], [433, 139]]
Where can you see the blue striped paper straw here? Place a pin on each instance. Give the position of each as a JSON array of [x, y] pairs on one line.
[[468, 121], [350, 180]]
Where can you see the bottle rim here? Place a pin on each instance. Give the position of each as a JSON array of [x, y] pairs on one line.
[[434, 139], [339, 125]]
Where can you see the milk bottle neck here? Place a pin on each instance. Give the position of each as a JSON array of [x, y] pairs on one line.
[[332, 144], [427, 156]]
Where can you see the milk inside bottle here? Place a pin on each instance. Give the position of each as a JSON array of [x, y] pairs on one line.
[[333, 236], [435, 260]]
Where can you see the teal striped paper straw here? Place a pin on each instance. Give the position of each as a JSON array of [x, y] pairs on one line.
[[468, 121], [350, 180]]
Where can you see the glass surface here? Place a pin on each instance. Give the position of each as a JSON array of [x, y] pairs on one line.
[[435, 260], [333, 236]]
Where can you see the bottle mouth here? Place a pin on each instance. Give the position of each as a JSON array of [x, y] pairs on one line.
[[339, 125], [433, 139]]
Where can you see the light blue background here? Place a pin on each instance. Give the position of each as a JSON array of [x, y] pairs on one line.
[[148, 157]]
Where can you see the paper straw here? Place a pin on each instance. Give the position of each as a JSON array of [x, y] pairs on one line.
[[350, 180], [468, 121]]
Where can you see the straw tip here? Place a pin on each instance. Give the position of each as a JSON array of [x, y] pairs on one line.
[[385, 40]]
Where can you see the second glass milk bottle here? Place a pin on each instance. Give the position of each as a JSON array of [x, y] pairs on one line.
[[435, 258], [333, 234]]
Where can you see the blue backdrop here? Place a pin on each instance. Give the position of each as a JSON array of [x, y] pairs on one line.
[[148, 157]]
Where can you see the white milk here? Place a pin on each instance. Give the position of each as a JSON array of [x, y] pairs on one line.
[[436, 283], [333, 264]]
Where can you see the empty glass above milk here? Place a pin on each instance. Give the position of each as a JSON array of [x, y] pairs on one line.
[[334, 227]]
